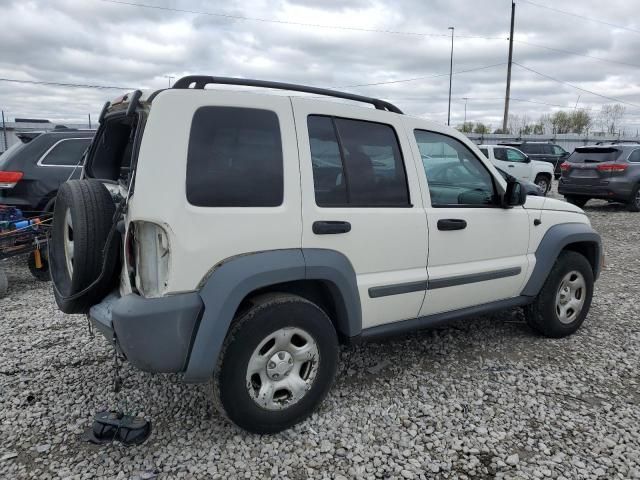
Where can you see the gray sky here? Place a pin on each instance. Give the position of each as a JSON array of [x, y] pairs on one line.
[[114, 44]]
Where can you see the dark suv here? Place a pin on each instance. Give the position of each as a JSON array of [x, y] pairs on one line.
[[543, 151], [32, 169], [609, 172]]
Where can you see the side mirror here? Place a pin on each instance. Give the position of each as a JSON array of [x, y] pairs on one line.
[[527, 158], [515, 194]]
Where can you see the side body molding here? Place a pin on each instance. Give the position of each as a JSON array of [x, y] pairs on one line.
[[237, 277], [553, 242]]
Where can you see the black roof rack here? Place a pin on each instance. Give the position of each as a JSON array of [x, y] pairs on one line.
[[200, 81], [617, 142]]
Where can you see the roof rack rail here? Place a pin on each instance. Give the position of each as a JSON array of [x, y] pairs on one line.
[[200, 81]]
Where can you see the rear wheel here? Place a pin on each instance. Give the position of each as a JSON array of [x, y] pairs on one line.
[[577, 201], [543, 182], [39, 269], [4, 283], [633, 205], [565, 298], [277, 365]]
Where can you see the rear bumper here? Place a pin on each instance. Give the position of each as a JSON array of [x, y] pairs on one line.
[[155, 334], [614, 189]]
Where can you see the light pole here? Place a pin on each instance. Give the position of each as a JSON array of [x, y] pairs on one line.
[[170, 78], [465, 109], [450, 76]]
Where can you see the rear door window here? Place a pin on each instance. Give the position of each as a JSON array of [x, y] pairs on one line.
[[634, 157], [356, 163], [235, 158], [66, 153]]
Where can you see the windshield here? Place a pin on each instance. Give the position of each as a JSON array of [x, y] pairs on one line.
[[594, 155]]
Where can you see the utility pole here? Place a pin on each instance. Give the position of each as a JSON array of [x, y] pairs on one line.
[[508, 93], [4, 132], [89, 120], [170, 78], [450, 76]]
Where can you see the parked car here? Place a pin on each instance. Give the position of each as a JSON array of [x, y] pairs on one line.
[[530, 188], [239, 237], [32, 169], [544, 152], [520, 165], [608, 172]]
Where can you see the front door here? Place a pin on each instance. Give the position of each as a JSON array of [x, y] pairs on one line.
[[360, 199], [513, 162], [477, 250]]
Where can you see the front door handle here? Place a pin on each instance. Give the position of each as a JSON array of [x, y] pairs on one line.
[[330, 227], [447, 224], [510, 166]]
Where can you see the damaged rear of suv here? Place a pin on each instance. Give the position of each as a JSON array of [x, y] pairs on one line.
[[239, 238]]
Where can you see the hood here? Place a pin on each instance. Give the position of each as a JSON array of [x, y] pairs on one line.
[[542, 165], [547, 203]]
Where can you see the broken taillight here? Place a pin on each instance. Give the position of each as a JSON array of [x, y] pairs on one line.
[[9, 179]]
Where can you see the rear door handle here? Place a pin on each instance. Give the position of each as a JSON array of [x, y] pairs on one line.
[[330, 227], [447, 224]]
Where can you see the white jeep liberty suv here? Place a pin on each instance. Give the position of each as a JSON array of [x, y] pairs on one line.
[[239, 237]]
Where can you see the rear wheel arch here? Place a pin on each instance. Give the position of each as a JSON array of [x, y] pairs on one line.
[[324, 276]]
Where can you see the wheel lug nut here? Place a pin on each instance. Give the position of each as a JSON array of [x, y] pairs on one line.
[[275, 375], [290, 360], [272, 365]]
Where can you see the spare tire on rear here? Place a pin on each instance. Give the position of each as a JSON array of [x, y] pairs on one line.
[[83, 266]]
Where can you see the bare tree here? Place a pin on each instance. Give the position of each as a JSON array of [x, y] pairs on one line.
[[610, 116]]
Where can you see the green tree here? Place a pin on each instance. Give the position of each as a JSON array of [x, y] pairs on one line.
[[466, 127], [482, 128]]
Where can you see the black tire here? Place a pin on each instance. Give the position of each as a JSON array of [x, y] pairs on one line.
[[546, 179], [91, 208], [4, 282], [269, 314], [542, 315], [633, 205], [42, 273], [577, 201]]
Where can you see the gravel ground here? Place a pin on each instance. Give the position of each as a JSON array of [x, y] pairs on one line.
[[478, 399]]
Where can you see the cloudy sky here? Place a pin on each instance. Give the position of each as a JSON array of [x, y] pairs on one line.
[[327, 43]]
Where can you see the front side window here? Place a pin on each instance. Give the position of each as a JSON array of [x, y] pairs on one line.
[[235, 158], [356, 163], [559, 150], [66, 153], [500, 154], [456, 177], [515, 156]]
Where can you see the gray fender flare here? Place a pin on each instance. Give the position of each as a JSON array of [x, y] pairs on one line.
[[552, 243], [235, 278]]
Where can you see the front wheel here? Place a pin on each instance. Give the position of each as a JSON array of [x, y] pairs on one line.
[[565, 298], [543, 182], [277, 364]]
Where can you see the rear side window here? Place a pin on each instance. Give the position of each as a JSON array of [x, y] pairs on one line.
[[66, 153], [356, 163], [531, 148], [594, 155], [634, 157], [235, 158]]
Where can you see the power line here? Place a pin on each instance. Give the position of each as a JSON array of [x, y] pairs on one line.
[[422, 78], [575, 86], [60, 84], [603, 22], [288, 22], [537, 45]]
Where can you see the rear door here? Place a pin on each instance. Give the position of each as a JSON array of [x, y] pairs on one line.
[[358, 176]]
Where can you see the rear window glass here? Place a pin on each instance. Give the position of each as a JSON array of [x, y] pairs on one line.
[[66, 153], [235, 158], [594, 155]]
